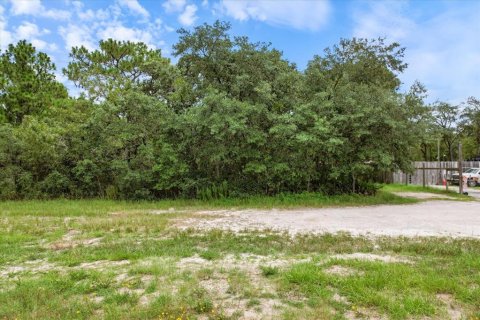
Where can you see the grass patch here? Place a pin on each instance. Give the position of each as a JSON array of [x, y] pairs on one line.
[[399, 290], [269, 271], [38, 281], [414, 188], [63, 207]]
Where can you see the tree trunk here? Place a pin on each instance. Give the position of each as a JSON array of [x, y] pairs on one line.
[[353, 183]]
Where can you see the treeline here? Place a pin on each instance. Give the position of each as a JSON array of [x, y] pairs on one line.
[[448, 125], [231, 118]]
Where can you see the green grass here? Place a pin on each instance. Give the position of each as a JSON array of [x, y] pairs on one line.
[[414, 188], [63, 207], [136, 270], [398, 290], [96, 207]]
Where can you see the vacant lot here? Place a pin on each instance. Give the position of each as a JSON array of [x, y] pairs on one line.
[[432, 218], [117, 260]]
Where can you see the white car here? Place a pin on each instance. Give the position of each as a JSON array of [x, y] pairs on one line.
[[473, 176]]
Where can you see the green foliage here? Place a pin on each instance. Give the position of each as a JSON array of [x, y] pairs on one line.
[[269, 271], [55, 184], [446, 117], [27, 83], [119, 66], [470, 127], [231, 119], [244, 71], [86, 173], [213, 192]]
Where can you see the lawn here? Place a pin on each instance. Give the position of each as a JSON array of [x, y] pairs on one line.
[[416, 188], [96, 259]]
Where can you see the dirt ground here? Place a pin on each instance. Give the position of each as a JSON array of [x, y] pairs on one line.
[[430, 218]]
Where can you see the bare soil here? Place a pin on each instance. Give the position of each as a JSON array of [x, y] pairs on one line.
[[431, 218], [423, 195]]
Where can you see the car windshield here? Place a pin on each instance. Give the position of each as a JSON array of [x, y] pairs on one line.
[[471, 170]]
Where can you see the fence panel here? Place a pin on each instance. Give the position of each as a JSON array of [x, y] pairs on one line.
[[435, 172]]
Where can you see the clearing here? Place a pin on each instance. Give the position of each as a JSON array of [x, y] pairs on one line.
[[432, 218], [95, 259]]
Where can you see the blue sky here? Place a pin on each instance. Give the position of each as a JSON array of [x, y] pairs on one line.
[[442, 37]]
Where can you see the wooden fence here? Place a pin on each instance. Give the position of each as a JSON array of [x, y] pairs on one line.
[[431, 172]]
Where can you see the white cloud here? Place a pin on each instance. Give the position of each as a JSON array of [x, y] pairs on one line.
[[135, 7], [39, 44], [78, 5], [442, 51], [188, 17], [5, 35], [32, 33], [108, 22], [119, 32], [174, 5], [89, 14], [35, 8], [76, 36], [300, 14], [28, 30], [110, 12], [26, 7], [383, 20]]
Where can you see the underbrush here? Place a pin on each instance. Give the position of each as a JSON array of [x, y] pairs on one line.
[[93, 207]]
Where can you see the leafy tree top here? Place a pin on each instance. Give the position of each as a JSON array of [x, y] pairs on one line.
[[27, 82], [117, 66]]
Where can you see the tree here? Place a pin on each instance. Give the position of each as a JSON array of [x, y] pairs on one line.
[[210, 58], [470, 125], [232, 118], [353, 87], [118, 66], [446, 118], [422, 125], [27, 83], [361, 61], [129, 149], [205, 55]]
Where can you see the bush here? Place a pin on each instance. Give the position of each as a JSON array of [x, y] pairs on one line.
[[86, 174], [367, 188], [55, 185], [215, 191], [8, 189]]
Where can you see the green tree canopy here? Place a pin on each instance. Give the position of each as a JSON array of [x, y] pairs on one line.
[[250, 72], [231, 118], [27, 83], [118, 66]]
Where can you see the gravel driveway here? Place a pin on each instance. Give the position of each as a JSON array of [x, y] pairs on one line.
[[430, 218]]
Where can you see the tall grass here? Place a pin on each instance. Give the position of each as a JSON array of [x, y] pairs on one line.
[[93, 207]]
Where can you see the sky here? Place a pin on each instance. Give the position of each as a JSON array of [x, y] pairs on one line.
[[442, 38]]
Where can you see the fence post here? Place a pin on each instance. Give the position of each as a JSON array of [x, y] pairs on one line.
[[439, 177], [460, 169], [446, 177], [423, 174]]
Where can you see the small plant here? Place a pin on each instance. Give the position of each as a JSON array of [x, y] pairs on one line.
[[204, 273], [209, 255], [214, 191], [253, 302], [204, 306], [269, 271]]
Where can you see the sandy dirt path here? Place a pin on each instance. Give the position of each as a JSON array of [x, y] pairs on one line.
[[431, 218]]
